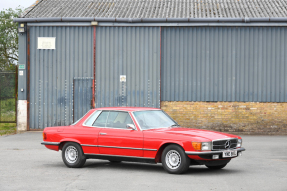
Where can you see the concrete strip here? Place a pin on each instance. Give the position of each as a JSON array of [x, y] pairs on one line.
[[28, 165]]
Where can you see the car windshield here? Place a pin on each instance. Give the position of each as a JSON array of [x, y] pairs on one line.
[[153, 119]]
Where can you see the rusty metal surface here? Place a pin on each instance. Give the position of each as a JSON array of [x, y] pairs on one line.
[[28, 77], [94, 69], [16, 91]]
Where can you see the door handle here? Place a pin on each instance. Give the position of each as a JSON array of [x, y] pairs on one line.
[[103, 133]]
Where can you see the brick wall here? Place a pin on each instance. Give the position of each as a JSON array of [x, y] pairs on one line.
[[234, 117]]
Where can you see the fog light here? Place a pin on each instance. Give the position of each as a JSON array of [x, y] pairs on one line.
[[239, 153], [215, 156]]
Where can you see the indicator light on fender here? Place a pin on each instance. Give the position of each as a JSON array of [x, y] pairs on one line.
[[44, 136], [196, 146]]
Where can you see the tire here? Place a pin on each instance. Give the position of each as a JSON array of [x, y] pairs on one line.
[[73, 156], [174, 160], [216, 167], [115, 161]]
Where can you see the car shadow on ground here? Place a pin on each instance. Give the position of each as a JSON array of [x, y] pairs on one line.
[[130, 166], [123, 165]]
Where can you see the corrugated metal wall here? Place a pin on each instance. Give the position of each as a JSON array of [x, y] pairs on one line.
[[130, 51], [197, 64], [52, 73], [83, 95], [224, 64]]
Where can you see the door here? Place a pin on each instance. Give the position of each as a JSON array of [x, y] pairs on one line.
[[115, 139], [83, 96], [88, 134]]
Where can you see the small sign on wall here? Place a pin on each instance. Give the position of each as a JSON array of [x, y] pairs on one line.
[[46, 42], [123, 78], [21, 66]]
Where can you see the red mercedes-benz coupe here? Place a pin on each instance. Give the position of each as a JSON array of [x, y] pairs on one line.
[[140, 134]]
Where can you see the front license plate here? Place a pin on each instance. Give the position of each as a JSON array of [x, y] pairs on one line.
[[226, 154]]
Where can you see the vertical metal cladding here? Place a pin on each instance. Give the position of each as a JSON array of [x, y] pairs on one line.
[[52, 73], [83, 95], [133, 52], [224, 64]]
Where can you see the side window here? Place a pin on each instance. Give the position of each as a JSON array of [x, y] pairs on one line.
[[119, 120], [92, 118], [101, 120]]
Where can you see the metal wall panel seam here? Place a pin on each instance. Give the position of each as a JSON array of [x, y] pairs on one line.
[[29, 104]]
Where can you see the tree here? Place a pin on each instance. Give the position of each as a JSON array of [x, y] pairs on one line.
[[8, 39]]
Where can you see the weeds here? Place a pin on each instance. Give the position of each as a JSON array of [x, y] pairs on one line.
[[7, 128], [7, 110], [7, 113]]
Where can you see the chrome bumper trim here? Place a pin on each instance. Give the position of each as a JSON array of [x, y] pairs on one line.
[[89, 145], [50, 143], [117, 156], [210, 152]]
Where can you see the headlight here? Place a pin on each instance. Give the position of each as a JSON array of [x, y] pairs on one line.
[[201, 146], [239, 143], [206, 146]]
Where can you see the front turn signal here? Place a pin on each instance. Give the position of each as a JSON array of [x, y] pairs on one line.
[[44, 136], [196, 146]]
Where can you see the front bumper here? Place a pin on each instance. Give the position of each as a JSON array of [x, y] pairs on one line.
[[199, 153]]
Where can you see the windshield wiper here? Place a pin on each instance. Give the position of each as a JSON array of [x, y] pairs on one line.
[[174, 125]]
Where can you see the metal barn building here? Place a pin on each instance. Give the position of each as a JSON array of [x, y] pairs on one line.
[[178, 55]]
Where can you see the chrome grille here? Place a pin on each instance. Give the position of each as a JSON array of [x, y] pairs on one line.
[[223, 145]]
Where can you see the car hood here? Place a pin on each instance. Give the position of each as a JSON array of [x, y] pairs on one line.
[[199, 133]]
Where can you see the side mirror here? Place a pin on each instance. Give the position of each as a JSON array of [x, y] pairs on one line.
[[131, 126]]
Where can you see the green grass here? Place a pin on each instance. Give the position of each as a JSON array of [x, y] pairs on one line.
[[7, 110], [7, 114], [7, 128]]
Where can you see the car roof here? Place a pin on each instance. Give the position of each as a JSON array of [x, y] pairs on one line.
[[127, 108]]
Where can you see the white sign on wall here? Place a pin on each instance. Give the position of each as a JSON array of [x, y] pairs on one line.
[[123, 78], [46, 42]]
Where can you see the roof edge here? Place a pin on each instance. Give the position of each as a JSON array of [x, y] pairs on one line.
[[149, 20], [30, 8]]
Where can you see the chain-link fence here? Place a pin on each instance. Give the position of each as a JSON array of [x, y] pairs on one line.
[[8, 97]]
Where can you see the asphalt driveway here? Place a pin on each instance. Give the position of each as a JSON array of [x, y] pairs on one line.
[[27, 165]]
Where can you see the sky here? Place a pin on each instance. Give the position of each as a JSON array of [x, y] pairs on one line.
[[5, 4]]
